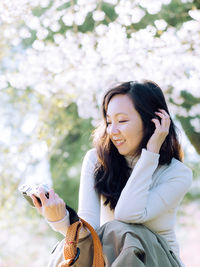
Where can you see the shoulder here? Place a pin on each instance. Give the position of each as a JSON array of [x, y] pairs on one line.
[[91, 156], [178, 170], [177, 165], [185, 169]]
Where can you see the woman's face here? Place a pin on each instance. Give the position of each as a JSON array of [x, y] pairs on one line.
[[124, 125]]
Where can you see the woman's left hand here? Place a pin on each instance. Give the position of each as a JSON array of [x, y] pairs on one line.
[[161, 131]]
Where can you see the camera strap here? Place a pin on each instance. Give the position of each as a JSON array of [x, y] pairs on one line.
[[70, 250], [73, 216]]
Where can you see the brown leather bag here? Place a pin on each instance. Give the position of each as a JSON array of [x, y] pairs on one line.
[[70, 250]]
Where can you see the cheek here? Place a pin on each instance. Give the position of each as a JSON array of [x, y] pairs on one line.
[[139, 126], [134, 131], [125, 129]]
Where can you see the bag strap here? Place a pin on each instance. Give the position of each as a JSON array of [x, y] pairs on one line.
[[70, 250], [98, 259]]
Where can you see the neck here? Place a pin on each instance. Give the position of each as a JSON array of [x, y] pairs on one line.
[[131, 160]]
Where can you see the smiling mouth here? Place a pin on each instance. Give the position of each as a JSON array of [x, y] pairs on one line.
[[119, 142]]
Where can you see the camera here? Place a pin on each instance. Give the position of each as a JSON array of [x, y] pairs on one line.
[[27, 190]]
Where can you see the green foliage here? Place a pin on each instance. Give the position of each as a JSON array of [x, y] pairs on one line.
[[39, 11], [67, 156], [88, 24], [189, 130], [189, 100], [109, 11], [175, 14], [64, 6], [29, 41]]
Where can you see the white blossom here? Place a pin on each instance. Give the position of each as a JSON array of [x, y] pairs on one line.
[[98, 15], [152, 7], [194, 111], [137, 14], [196, 124], [160, 24], [76, 63], [195, 14]]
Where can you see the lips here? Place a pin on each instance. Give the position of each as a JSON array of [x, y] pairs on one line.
[[118, 142]]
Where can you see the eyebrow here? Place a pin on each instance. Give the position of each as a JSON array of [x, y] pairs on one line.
[[120, 113]]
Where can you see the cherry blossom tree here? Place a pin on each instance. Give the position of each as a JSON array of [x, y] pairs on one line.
[[72, 51]]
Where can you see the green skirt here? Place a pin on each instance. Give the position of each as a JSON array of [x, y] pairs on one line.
[[124, 245]]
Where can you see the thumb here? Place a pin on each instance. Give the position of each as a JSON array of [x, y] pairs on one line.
[[37, 204]]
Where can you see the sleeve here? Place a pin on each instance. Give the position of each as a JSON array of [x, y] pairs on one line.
[[61, 225], [89, 205], [139, 203], [89, 200]]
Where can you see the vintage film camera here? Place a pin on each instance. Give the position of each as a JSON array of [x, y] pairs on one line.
[[27, 190]]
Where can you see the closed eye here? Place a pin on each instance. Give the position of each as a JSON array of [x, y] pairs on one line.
[[108, 123]]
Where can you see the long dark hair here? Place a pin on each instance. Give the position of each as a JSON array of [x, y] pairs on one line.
[[112, 171]]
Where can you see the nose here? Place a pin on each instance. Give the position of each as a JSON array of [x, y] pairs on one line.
[[113, 129]]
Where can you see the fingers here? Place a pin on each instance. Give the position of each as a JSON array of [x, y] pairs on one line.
[[52, 199], [36, 204], [165, 119], [35, 201], [156, 122], [162, 114], [52, 208], [51, 193], [43, 198]]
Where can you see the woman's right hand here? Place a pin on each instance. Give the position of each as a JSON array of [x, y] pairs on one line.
[[161, 131], [52, 208]]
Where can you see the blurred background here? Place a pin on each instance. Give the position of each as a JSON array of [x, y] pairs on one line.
[[57, 58]]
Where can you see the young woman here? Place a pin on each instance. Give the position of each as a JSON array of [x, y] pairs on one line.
[[134, 174]]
